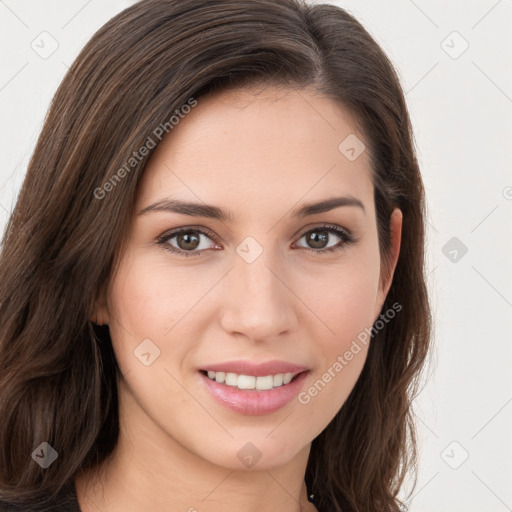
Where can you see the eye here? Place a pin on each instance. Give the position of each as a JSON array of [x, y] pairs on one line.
[[186, 241], [192, 241], [319, 238]]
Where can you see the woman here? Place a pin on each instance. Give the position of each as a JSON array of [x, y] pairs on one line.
[[213, 292]]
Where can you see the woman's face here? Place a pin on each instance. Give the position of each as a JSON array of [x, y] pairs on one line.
[[247, 283]]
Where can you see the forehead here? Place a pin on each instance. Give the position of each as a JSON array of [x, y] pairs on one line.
[[262, 144]]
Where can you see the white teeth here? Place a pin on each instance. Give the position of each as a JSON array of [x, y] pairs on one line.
[[246, 381], [266, 382], [251, 381], [231, 379], [278, 379], [287, 378]]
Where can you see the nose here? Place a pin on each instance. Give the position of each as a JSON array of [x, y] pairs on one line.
[[258, 302]]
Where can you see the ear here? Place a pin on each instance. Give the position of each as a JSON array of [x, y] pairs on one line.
[[386, 275], [100, 314]]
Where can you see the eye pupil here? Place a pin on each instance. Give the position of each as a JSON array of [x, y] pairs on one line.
[[190, 239], [318, 241]]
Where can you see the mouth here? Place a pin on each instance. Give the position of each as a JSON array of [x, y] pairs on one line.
[[253, 395], [251, 382]]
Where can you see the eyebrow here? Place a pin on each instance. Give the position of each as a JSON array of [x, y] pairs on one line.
[[214, 212]]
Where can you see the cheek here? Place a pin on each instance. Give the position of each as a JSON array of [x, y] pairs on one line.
[[343, 297], [151, 297], [341, 354], [150, 300], [136, 299]]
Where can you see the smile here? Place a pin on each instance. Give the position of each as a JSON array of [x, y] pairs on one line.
[[250, 394], [259, 383]]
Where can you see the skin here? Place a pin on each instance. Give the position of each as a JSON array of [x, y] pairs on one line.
[[259, 154]]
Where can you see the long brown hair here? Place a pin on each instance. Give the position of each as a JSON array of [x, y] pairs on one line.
[[62, 242]]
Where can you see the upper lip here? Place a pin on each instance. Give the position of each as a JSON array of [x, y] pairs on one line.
[[257, 369]]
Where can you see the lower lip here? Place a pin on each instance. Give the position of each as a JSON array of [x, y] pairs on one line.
[[253, 402]]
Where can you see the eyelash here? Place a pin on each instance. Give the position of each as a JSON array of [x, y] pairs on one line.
[[346, 239]]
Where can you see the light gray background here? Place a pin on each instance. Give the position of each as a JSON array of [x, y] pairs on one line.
[[461, 106]]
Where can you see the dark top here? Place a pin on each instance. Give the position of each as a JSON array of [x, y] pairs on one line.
[[66, 501]]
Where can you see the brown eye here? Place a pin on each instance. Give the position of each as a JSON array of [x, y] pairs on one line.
[[317, 239], [187, 241]]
